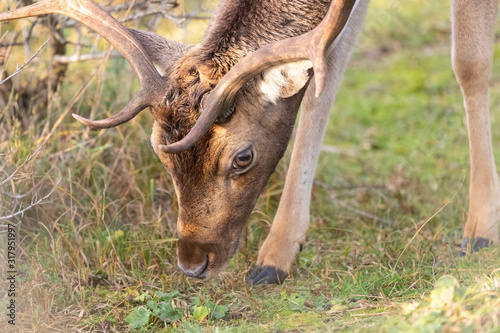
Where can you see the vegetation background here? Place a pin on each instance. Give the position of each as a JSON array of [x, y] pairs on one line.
[[96, 212]]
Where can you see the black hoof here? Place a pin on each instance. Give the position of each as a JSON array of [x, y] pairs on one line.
[[479, 243], [266, 275]]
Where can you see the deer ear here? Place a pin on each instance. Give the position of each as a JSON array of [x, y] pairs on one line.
[[162, 52], [284, 80]]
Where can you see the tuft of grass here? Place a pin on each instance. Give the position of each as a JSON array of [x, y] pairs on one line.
[[98, 254], [451, 307]]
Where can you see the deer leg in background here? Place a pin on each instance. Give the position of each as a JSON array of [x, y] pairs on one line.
[[473, 24], [292, 218]]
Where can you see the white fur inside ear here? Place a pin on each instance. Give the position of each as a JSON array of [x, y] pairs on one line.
[[284, 80]]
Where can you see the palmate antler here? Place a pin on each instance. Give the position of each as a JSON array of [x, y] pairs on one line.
[[153, 85], [313, 46]]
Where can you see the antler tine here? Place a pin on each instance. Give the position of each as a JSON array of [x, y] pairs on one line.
[[132, 109], [313, 45], [93, 16]]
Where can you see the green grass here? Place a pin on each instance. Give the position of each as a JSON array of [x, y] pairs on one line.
[[99, 254]]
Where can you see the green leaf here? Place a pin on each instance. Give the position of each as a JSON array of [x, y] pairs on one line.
[[192, 327], [167, 297], [153, 307], [201, 312], [460, 293], [443, 293], [118, 235], [138, 317], [195, 301], [168, 313], [162, 296], [219, 311], [447, 281]]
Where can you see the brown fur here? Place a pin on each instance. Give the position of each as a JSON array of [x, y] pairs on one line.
[[246, 26], [215, 198], [214, 203], [472, 57]]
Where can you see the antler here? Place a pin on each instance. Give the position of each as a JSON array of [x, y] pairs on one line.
[[153, 85], [313, 45]]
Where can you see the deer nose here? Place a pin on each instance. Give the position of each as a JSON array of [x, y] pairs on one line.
[[195, 270], [192, 257]]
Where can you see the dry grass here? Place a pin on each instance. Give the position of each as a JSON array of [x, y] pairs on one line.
[[105, 235]]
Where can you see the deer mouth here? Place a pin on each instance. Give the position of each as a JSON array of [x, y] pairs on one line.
[[199, 273], [204, 269]]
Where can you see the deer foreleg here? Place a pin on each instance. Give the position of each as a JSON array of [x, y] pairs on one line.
[[473, 24], [292, 218]]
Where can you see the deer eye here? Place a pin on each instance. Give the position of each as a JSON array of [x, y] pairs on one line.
[[243, 159]]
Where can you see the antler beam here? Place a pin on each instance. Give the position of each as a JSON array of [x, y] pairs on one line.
[[153, 85], [313, 46]]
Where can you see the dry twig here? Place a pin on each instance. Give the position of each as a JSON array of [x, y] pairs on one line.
[[19, 69], [33, 204]]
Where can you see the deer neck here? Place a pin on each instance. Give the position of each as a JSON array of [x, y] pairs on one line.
[[239, 27]]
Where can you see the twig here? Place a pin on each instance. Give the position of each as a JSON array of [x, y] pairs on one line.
[[11, 44], [373, 314], [178, 19], [333, 197], [141, 14], [63, 59], [426, 221], [2, 53], [357, 211], [353, 187], [29, 158], [26, 63], [33, 204], [127, 6], [14, 196]]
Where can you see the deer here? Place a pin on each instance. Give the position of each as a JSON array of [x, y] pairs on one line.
[[224, 111]]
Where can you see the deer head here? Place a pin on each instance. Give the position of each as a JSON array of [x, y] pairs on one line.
[[224, 110]]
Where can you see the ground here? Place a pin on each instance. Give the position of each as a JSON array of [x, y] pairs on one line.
[[389, 204]]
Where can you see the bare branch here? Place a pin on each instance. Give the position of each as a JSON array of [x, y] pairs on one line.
[[141, 14], [14, 196], [12, 44], [19, 69], [178, 19], [33, 154], [63, 59], [68, 42], [135, 5], [29, 158], [357, 211], [33, 204], [3, 36]]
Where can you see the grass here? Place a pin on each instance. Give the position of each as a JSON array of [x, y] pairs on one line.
[[99, 253]]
